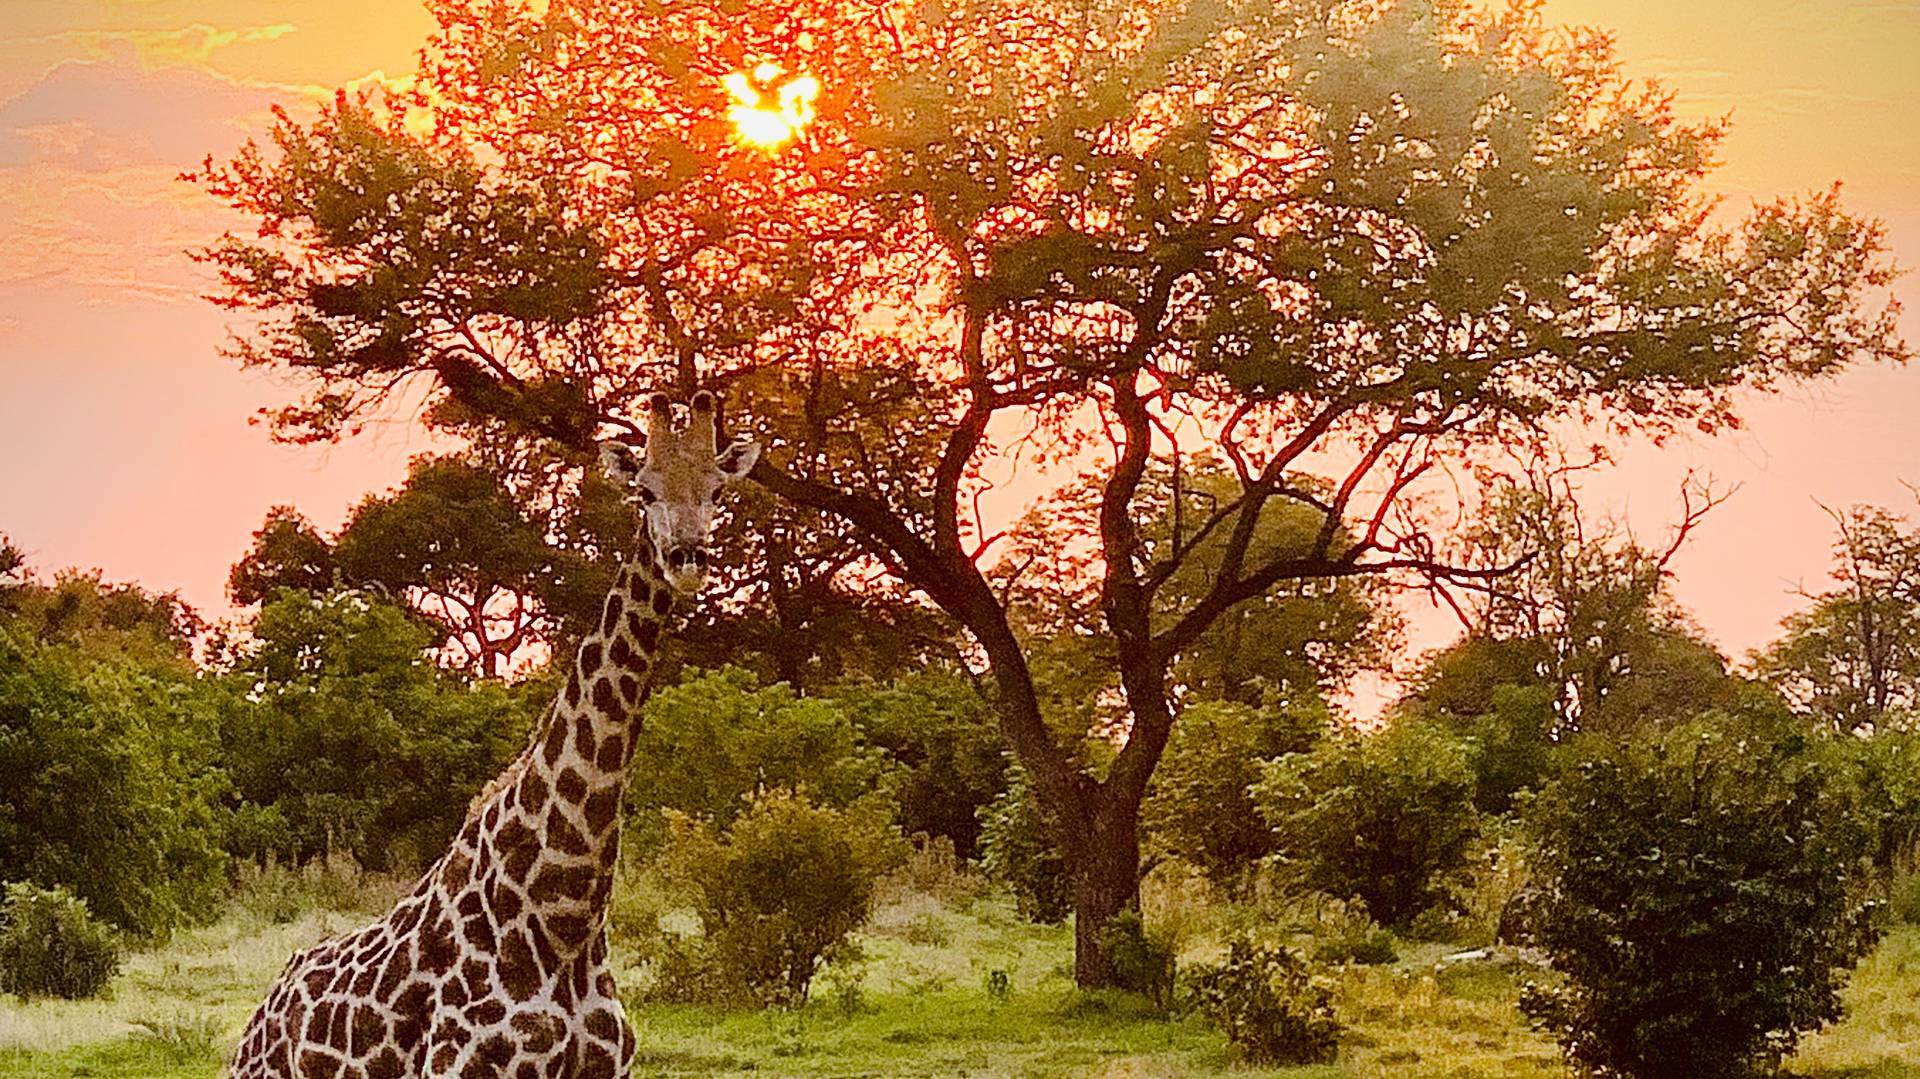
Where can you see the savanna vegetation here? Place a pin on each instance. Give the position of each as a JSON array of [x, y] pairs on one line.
[[1235, 284]]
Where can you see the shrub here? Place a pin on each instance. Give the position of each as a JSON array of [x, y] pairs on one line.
[[1702, 897], [1199, 808], [1269, 1004], [777, 894], [1367, 945], [1143, 962], [941, 735], [1018, 850], [51, 946], [1386, 818]]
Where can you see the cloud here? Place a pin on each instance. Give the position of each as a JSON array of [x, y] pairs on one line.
[[103, 114]]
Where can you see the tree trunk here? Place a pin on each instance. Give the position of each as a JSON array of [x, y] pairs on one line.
[[1106, 880]]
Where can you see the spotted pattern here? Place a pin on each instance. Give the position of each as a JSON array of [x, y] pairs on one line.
[[495, 966]]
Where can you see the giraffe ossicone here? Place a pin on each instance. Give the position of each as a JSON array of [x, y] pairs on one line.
[[495, 966]]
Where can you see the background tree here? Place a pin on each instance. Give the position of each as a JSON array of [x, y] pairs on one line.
[[1852, 659], [1368, 240]]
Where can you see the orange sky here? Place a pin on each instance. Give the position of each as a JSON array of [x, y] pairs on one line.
[[125, 435]]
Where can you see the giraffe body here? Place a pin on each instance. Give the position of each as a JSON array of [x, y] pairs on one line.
[[495, 966]]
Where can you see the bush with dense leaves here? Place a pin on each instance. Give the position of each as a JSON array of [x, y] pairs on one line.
[[1200, 808], [51, 946], [341, 735], [1018, 849], [778, 894], [1701, 894], [711, 743], [1386, 818], [940, 734], [109, 777], [1267, 1002], [1143, 961]]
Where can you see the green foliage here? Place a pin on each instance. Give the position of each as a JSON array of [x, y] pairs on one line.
[[52, 946], [287, 552], [1496, 693], [1200, 807], [1143, 962], [1852, 659], [777, 894], [132, 739], [941, 735], [1018, 849], [1357, 942], [340, 735], [1268, 1003], [1386, 818], [709, 745], [1700, 893]]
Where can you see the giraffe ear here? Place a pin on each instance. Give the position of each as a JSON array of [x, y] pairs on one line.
[[737, 459], [620, 462]]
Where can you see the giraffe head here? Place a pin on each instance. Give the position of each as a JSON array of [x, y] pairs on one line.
[[675, 478]]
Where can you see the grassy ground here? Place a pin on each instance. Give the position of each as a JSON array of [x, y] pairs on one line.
[[921, 1009]]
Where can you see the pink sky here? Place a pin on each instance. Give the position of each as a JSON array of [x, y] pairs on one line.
[[126, 434]]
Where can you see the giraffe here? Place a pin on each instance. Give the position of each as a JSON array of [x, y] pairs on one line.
[[495, 965]]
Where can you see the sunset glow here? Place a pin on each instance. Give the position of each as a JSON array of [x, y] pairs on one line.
[[768, 113]]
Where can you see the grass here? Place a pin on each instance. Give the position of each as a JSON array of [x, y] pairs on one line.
[[921, 1006]]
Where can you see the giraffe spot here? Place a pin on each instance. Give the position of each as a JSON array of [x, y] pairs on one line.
[[399, 965], [611, 621], [554, 742], [570, 786], [458, 866], [601, 1024], [386, 1064], [563, 994], [317, 1021], [364, 982], [492, 817], [476, 972], [538, 1032], [318, 1065], [487, 1012], [621, 653], [451, 1032], [337, 1030], [606, 704], [316, 981], [573, 690], [410, 1013], [633, 623], [453, 992], [597, 1063], [443, 1059], [519, 974], [604, 986], [630, 689], [369, 1030], [496, 1052], [470, 903], [405, 917], [513, 838], [562, 835], [589, 659], [560, 882], [583, 725], [506, 901], [566, 929], [438, 952], [342, 977], [662, 603], [533, 791], [527, 1070], [649, 635], [601, 809], [479, 934], [611, 752]]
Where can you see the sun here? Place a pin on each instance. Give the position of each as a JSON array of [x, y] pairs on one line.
[[769, 110]]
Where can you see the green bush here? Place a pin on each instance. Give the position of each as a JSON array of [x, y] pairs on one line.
[[109, 778], [710, 743], [1386, 818], [1702, 895], [1199, 808], [778, 895], [1143, 962], [940, 734], [1268, 1003], [1017, 849], [51, 946], [340, 734], [1367, 945]]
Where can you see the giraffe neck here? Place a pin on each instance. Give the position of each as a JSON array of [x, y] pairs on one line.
[[548, 837]]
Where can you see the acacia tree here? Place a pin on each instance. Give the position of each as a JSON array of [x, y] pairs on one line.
[[1348, 239], [1853, 658]]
